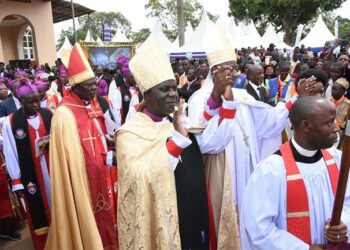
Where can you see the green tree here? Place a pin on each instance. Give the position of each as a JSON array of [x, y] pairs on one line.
[[344, 29], [165, 11], [284, 15], [94, 23], [141, 35]]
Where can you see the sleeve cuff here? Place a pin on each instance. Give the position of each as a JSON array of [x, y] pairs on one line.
[[227, 113], [208, 116], [211, 109], [229, 104], [212, 104], [109, 158], [290, 103], [17, 187], [16, 182], [177, 144]]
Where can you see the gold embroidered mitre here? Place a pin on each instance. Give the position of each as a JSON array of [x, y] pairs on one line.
[[151, 66], [218, 45], [79, 69]]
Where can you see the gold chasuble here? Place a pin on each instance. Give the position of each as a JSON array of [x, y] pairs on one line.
[[147, 203], [75, 213]]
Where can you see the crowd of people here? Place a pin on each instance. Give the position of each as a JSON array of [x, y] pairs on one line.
[[240, 150]]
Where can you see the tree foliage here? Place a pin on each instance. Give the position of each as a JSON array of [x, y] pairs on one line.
[[165, 11], [344, 29], [140, 36], [344, 25], [284, 15], [94, 23]]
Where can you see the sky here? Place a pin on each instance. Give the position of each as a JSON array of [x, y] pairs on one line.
[[135, 12]]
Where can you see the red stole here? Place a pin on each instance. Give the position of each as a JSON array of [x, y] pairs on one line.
[[111, 172], [298, 214], [95, 160]]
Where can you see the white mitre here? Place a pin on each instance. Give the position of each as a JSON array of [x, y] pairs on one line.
[[151, 66], [218, 45]]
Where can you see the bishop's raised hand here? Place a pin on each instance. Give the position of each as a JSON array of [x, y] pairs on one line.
[[177, 122], [222, 77], [307, 87]]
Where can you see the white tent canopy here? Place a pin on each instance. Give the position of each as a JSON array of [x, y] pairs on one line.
[[175, 43], [318, 35], [244, 34], [89, 37], [189, 32], [270, 36], [252, 35], [98, 40], [188, 36], [66, 46], [120, 38], [195, 42], [238, 36], [158, 35]]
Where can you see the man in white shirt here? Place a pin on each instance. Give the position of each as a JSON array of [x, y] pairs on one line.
[[289, 197]]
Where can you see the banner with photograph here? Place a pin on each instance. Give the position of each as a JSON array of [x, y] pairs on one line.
[[107, 56]]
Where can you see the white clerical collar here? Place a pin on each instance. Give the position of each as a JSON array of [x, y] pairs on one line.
[[303, 151]]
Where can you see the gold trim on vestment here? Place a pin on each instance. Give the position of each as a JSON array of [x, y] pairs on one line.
[[294, 177], [298, 214], [80, 77], [41, 231], [221, 56], [74, 105]]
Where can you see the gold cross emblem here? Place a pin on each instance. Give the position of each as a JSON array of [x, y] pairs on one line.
[[90, 138]]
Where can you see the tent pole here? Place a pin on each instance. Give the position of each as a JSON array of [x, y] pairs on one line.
[[73, 17]]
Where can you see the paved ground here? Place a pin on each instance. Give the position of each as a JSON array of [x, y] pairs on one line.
[[24, 244]]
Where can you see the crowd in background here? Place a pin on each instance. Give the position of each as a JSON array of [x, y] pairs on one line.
[[268, 74]]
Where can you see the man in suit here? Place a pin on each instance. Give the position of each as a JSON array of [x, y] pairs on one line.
[[192, 86], [11, 104], [255, 86]]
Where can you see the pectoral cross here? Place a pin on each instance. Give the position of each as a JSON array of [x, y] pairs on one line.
[[90, 138], [246, 138]]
